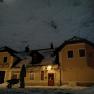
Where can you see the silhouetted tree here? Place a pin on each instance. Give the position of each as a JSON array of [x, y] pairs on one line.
[[22, 75]]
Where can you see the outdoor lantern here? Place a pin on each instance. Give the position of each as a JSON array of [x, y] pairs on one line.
[[49, 67]]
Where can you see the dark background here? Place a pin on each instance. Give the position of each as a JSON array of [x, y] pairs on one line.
[[37, 23]]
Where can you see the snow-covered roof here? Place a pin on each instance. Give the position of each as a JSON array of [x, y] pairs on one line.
[[48, 54], [48, 57]]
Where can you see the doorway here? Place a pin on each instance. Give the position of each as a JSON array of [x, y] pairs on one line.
[[2, 76], [50, 79]]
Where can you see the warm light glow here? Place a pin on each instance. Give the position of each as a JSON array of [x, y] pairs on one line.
[[49, 67]]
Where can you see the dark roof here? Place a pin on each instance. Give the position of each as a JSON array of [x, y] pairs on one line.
[[16, 62], [12, 52], [47, 53], [74, 40], [7, 49]]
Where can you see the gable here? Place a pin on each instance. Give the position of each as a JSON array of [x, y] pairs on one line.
[[7, 57]]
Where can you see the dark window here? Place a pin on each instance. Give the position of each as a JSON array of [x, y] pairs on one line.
[[42, 75], [5, 60], [82, 52], [70, 54]]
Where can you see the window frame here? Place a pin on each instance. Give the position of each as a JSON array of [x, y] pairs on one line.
[[42, 75], [69, 54], [32, 75], [81, 53], [5, 59]]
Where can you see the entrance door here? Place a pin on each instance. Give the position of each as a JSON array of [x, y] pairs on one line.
[[2, 75], [50, 79]]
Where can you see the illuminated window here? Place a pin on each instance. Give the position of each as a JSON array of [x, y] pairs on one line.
[[70, 54], [82, 52], [5, 60], [42, 75], [31, 75]]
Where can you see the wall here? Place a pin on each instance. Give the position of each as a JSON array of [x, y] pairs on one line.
[[75, 70], [37, 77], [6, 66], [10, 59]]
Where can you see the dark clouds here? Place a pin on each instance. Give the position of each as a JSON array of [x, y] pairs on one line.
[[39, 22]]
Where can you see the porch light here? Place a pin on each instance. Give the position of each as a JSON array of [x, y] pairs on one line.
[[49, 67]]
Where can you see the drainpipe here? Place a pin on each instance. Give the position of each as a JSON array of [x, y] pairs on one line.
[[60, 76]]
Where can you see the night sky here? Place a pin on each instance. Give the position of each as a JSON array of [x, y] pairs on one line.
[[37, 23]]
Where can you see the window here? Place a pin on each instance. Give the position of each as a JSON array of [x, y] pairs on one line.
[[82, 52], [5, 60], [31, 75], [70, 54], [42, 75]]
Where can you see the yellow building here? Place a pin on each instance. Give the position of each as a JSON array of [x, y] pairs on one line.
[[40, 67], [7, 58], [76, 58], [72, 64]]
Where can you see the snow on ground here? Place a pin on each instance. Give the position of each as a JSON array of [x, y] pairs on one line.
[[49, 90]]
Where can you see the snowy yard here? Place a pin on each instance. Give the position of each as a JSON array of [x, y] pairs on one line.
[[49, 90]]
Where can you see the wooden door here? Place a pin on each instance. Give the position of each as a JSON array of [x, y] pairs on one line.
[[50, 79]]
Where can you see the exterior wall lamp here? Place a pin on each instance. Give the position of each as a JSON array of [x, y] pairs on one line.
[[48, 68]]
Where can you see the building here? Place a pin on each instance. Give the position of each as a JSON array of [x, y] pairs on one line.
[[41, 69], [72, 63], [76, 59], [7, 59]]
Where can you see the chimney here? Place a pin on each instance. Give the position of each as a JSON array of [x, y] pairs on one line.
[[27, 48], [51, 45]]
